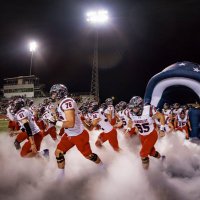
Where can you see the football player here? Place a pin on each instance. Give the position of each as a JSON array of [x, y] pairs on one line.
[[108, 132], [182, 123], [142, 116], [166, 111], [110, 111], [50, 122], [74, 132], [33, 134], [123, 117]]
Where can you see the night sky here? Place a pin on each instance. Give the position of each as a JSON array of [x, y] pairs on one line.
[[142, 38]]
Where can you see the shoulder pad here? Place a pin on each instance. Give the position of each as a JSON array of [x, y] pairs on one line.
[[67, 104]]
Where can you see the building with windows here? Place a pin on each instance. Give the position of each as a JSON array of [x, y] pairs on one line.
[[27, 86]]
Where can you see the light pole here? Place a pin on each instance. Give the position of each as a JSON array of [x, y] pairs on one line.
[[96, 18], [32, 48]]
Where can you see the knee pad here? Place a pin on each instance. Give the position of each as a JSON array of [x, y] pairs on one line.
[[145, 160], [157, 155], [93, 157], [60, 158]]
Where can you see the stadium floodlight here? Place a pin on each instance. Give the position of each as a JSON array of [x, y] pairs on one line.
[[32, 47], [97, 16]]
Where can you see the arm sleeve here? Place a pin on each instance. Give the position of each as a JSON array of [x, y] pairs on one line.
[[9, 115], [28, 129]]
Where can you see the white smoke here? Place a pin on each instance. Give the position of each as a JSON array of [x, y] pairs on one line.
[[178, 177]]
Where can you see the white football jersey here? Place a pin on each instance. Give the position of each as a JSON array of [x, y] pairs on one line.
[[176, 111], [182, 122], [10, 115], [110, 109], [68, 104], [103, 123], [187, 112], [167, 114], [24, 113], [48, 119], [124, 116], [145, 122], [101, 110]]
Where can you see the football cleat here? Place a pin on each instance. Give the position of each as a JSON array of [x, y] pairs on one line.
[[17, 145]]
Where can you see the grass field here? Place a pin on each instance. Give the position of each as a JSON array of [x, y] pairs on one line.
[[3, 125]]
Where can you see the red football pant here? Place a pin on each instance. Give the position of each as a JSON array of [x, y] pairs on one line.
[[62, 131], [21, 137], [113, 121], [182, 129], [148, 142], [111, 137], [26, 148], [52, 132], [80, 141]]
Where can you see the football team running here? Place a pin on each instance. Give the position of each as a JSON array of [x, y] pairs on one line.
[[30, 123]]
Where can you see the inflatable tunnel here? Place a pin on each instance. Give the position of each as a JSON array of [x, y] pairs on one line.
[[180, 82]]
